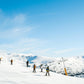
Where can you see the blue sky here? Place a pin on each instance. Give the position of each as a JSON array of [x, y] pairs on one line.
[[42, 27]]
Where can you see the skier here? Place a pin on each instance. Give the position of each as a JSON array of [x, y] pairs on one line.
[[47, 71], [11, 61], [27, 63], [34, 68], [0, 60], [41, 67]]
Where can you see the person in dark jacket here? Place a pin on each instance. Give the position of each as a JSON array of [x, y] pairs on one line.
[[11, 61], [27, 63], [34, 68], [47, 71]]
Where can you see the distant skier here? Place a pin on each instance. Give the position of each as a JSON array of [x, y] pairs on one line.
[[34, 68], [0, 60], [41, 67], [11, 61], [27, 63], [47, 71]]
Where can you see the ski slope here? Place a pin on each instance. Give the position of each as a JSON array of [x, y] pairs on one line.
[[74, 65], [18, 73]]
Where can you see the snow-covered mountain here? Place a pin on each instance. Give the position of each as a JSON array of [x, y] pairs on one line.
[[74, 65], [18, 73]]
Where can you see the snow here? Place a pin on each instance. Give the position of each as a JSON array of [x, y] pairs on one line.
[[18, 73], [74, 65]]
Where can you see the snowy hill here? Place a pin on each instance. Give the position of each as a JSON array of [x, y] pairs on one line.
[[74, 65], [18, 73]]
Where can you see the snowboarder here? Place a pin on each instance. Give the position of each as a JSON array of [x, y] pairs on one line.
[[47, 71], [41, 67], [34, 68], [11, 61], [27, 63]]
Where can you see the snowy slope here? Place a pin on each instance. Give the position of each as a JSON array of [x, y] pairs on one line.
[[17, 74], [74, 65]]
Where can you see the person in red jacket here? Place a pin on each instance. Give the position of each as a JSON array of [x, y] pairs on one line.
[[34, 68], [11, 61]]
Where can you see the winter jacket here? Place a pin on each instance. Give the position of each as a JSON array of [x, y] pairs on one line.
[[47, 69]]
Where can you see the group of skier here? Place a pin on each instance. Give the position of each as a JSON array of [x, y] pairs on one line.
[[34, 67], [41, 67]]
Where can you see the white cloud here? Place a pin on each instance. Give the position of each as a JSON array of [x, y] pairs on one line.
[[20, 19], [22, 29], [64, 51], [15, 20], [23, 45], [41, 51], [14, 26], [14, 32]]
